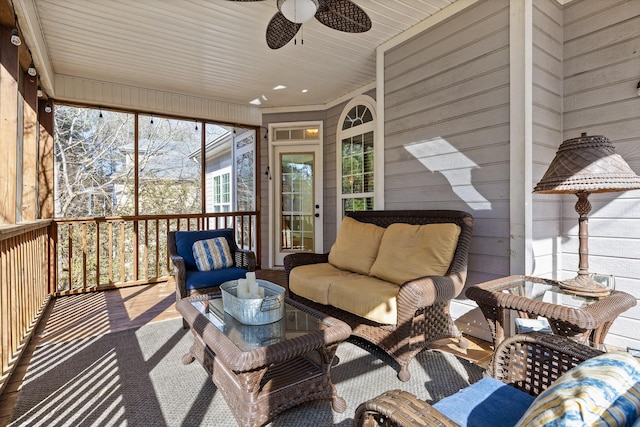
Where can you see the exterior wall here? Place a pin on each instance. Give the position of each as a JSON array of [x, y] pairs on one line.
[[447, 132], [547, 132], [447, 127], [601, 71], [330, 183]]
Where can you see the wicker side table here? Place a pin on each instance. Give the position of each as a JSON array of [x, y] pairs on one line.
[[262, 372], [584, 319]]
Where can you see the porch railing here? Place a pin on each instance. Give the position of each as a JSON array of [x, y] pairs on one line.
[[63, 256], [24, 288], [107, 252]]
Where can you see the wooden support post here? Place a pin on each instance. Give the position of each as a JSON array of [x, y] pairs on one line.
[[30, 149], [9, 68], [45, 163]]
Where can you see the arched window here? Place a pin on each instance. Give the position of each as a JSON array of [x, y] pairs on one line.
[[355, 156]]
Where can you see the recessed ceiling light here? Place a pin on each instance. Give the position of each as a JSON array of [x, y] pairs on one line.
[[255, 101], [305, 90], [279, 87], [264, 98]]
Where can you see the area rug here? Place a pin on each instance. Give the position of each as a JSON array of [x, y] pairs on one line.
[[136, 378]]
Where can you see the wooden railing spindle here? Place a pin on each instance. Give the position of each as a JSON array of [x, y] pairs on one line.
[[123, 275], [24, 288], [97, 253], [84, 255], [70, 256], [110, 253]]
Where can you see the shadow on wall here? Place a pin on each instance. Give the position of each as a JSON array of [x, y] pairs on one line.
[[438, 155]]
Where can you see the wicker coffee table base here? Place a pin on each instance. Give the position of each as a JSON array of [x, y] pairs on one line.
[[255, 397]]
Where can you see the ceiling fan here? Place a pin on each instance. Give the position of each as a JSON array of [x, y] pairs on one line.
[[341, 15]]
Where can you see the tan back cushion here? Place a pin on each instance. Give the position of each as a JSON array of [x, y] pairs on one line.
[[356, 246], [411, 251]]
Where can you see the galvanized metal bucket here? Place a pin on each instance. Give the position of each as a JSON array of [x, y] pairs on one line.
[[254, 311]]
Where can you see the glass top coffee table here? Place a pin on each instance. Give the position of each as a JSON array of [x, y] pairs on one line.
[[582, 318], [263, 370]]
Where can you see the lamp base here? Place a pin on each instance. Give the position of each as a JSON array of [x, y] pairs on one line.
[[584, 285]]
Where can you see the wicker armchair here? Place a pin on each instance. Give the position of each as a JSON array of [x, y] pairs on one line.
[[529, 362], [244, 260], [422, 304]]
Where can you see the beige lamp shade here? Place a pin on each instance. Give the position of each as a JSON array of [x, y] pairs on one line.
[[587, 164]]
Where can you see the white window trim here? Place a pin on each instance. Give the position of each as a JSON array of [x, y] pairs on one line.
[[220, 172], [341, 134]]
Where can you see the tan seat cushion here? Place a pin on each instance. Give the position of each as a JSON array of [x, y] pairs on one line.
[[368, 297], [313, 281], [356, 246], [411, 251]]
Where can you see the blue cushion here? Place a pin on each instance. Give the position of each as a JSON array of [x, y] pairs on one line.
[[601, 391], [486, 403], [186, 239], [204, 279]]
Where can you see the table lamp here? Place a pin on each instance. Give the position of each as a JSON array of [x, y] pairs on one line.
[[585, 165]]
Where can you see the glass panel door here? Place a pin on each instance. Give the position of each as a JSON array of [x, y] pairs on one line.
[[298, 223], [296, 216]]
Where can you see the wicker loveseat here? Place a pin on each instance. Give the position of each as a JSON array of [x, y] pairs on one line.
[[525, 364], [419, 305], [189, 280]]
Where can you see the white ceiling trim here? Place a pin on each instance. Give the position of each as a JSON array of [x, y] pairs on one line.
[[27, 16], [106, 94]]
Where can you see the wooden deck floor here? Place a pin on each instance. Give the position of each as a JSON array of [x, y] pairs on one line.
[[79, 316]]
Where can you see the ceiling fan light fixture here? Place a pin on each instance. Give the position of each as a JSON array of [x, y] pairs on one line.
[[298, 11]]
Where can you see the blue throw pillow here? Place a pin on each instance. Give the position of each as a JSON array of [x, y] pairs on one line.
[[212, 254], [602, 391], [186, 239]]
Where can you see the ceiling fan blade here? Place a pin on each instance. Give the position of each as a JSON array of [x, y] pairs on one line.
[[280, 31], [343, 15]]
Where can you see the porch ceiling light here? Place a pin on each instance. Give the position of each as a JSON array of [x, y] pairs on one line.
[[298, 11], [585, 165], [15, 38], [32, 70]]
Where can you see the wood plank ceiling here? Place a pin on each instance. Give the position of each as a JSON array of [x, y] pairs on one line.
[[209, 48]]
